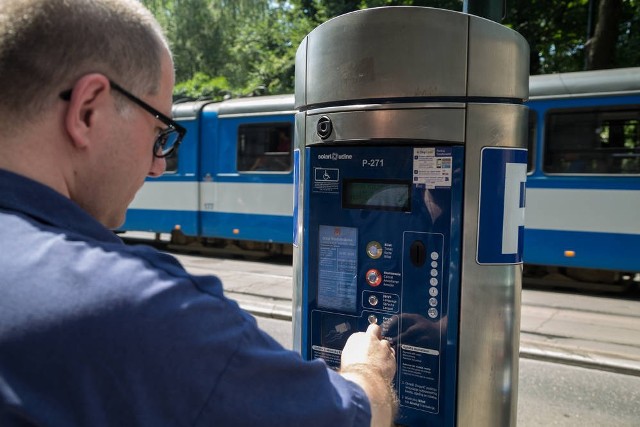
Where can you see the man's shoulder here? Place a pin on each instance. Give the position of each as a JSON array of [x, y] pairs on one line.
[[54, 273]]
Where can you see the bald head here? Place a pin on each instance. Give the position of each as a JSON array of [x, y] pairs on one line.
[[46, 45]]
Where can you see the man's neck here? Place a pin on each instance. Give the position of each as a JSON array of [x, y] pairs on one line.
[[35, 158]]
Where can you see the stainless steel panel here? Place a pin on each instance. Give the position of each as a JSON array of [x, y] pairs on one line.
[[387, 106], [386, 53], [490, 295], [410, 52], [498, 61], [298, 252], [301, 74], [413, 124]]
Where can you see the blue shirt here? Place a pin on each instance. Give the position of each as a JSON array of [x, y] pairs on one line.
[[97, 333]]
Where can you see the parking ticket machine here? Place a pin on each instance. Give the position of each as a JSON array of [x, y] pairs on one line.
[[409, 204]]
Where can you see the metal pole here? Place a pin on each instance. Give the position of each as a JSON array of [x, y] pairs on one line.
[[494, 10]]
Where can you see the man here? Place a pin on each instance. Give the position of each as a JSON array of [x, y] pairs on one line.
[[96, 333]]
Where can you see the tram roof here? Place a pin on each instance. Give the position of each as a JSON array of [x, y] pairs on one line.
[[585, 82], [238, 106], [188, 110], [256, 105]]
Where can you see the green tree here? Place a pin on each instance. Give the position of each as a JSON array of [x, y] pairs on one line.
[[194, 31], [560, 40], [262, 56], [247, 47], [628, 43], [601, 48], [555, 30], [202, 86]]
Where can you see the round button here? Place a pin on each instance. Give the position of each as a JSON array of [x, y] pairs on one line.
[[433, 302], [433, 292], [373, 277], [434, 264], [432, 313], [434, 272], [374, 250], [373, 300], [433, 281], [372, 318], [434, 255]]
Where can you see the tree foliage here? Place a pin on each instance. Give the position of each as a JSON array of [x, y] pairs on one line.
[[247, 47]]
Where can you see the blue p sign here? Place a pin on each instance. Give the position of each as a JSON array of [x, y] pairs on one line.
[[503, 173]]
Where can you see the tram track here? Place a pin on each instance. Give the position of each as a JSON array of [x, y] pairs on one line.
[[596, 330]]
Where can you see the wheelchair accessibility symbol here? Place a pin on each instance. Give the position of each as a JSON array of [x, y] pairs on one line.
[[326, 174]]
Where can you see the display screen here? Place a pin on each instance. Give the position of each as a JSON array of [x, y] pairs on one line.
[[383, 195]]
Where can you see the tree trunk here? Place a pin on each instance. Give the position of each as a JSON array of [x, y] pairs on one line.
[[601, 48]]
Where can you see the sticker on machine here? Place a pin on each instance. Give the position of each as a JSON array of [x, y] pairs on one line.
[[326, 180], [432, 166]]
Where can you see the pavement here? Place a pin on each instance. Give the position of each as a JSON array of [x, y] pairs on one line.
[[601, 332], [598, 332]]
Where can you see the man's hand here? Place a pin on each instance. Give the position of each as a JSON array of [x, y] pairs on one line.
[[369, 348], [369, 361]]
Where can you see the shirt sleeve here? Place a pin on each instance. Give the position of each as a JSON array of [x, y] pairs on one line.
[[200, 360], [266, 385]]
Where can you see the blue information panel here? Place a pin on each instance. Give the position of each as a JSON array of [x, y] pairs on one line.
[[382, 248], [503, 173]]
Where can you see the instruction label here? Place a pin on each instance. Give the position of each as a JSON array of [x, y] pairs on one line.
[[338, 264], [419, 378], [432, 166], [330, 355]]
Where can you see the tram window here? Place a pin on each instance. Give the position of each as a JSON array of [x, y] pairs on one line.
[[531, 140], [172, 163], [264, 147], [593, 141]]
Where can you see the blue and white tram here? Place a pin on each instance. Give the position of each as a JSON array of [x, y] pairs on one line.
[[232, 186], [583, 187]]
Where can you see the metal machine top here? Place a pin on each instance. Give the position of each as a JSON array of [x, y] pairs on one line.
[[363, 56]]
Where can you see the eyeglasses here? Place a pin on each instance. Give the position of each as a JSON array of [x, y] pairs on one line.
[[168, 140]]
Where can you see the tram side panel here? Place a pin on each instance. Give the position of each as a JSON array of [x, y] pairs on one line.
[[247, 190], [233, 180], [583, 188], [172, 199]]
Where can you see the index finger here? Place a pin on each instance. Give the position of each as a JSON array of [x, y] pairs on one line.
[[375, 330]]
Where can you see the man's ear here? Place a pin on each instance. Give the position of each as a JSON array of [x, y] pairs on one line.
[[89, 98]]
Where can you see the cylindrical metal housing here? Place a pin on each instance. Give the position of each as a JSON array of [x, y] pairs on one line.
[[401, 76]]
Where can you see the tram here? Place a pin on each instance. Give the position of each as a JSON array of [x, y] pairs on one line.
[[230, 187]]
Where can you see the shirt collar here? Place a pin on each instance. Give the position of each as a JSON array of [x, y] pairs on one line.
[[47, 206]]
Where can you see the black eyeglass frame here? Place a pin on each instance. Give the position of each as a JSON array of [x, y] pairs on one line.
[[162, 138]]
